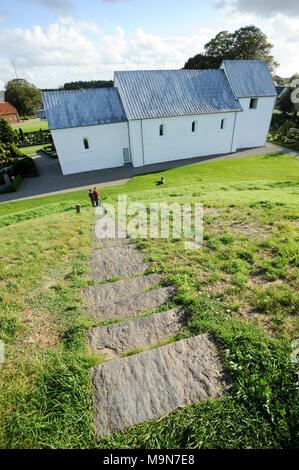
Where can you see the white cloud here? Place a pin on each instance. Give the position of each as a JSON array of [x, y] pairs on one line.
[[284, 35], [69, 50]]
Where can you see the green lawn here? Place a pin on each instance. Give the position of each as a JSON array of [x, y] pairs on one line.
[[33, 149], [241, 286], [31, 127]]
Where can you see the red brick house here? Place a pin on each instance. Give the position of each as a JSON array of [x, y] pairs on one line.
[[9, 112]]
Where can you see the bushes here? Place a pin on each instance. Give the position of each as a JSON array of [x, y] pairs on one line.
[[26, 167], [282, 134], [43, 136], [16, 183], [13, 187]]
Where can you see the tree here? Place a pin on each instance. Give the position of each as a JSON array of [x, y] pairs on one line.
[[7, 134], [201, 62], [279, 80], [23, 95], [285, 128], [246, 43], [285, 104], [88, 84]]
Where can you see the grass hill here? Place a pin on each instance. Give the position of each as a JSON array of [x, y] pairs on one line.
[[241, 286]]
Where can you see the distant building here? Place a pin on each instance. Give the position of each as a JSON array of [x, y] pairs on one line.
[[280, 90], [9, 112], [155, 116], [41, 114]]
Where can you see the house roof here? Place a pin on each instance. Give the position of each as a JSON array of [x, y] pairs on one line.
[[7, 108], [163, 93], [249, 78], [280, 89], [77, 108]]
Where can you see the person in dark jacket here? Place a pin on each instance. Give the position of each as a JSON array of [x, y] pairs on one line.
[[90, 194]]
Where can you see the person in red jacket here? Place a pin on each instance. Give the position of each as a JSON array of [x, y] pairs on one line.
[[96, 196]]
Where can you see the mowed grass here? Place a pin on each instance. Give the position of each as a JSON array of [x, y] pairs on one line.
[[31, 126], [33, 149], [241, 287]]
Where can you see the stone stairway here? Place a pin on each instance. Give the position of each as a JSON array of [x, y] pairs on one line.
[[130, 387]]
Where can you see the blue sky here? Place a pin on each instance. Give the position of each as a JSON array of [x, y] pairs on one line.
[[49, 42]]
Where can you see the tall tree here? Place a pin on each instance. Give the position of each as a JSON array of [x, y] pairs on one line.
[[23, 95], [248, 42]]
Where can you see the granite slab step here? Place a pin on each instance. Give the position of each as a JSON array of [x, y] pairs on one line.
[[105, 271], [108, 251], [118, 255], [106, 293], [140, 332], [130, 306], [111, 242], [146, 386]]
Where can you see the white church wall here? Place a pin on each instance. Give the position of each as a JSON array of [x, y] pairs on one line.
[[135, 129], [252, 125], [178, 141], [106, 143]]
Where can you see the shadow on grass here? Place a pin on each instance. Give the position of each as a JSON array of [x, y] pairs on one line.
[[273, 155]]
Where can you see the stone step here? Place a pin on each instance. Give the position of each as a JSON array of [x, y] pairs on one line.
[[146, 386], [114, 250], [118, 255], [111, 242], [105, 271], [140, 332], [106, 293], [130, 306]]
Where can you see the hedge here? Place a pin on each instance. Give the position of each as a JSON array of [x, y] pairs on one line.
[[26, 167], [13, 187]]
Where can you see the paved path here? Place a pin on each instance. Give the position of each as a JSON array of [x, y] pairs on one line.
[[154, 379], [52, 181]]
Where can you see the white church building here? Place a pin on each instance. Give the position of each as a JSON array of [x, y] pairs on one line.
[[155, 116]]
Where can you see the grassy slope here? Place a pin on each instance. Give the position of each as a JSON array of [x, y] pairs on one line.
[[241, 287]]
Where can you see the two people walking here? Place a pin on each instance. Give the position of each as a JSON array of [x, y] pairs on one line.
[[94, 197]]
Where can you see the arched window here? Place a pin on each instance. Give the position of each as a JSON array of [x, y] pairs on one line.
[[161, 130], [222, 124], [85, 143], [194, 126]]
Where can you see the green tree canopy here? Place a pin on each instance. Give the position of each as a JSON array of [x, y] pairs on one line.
[[246, 43], [7, 134], [23, 95]]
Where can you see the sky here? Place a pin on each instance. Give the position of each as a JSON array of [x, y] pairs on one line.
[[50, 42]]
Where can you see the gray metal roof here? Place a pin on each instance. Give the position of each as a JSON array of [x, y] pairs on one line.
[[162, 93], [250, 78], [280, 90], [88, 107]]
